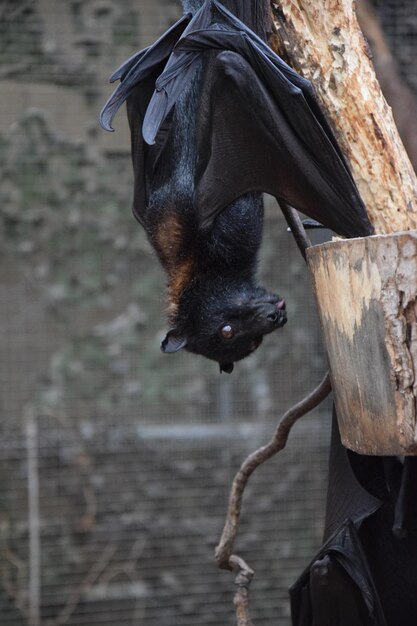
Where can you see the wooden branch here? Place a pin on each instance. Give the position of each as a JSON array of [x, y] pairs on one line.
[[324, 43], [244, 575], [223, 552]]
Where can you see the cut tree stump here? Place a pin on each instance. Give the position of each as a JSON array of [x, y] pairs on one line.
[[366, 293]]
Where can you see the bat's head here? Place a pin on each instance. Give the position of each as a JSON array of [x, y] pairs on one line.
[[225, 324]]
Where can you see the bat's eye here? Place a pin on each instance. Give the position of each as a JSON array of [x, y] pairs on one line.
[[227, 331]]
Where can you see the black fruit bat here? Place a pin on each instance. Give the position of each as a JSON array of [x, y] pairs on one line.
[[364, 573], [217, 118]]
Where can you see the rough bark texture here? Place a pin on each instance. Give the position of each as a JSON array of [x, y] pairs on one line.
[[323, 42], [366, 290]]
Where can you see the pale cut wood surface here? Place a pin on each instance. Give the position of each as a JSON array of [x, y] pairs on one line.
[[366, 291], [323, 42]]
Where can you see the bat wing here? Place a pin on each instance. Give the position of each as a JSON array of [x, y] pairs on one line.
[[142, 65], [262, 130], [254, 147], [138, 76], [337, 588]]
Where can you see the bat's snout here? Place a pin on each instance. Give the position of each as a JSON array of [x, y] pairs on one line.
[[275, 314]]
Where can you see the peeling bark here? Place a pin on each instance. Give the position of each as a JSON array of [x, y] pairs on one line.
[[323, 42]]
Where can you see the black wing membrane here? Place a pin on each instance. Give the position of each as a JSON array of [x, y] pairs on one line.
[[138, 75], [254, 148], [337, 587], [265, 129], [262, 131], [363, 575], [138, 68]]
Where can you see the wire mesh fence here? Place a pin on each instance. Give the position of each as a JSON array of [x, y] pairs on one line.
[[115, 460], [399, 21]]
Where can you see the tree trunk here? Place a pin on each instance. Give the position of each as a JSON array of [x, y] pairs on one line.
[[323, 42]]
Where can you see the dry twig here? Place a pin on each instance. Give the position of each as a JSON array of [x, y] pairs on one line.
[[244, 575], [224, 549], [223, 553]]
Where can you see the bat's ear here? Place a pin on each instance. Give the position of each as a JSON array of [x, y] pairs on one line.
[[173, 341], [226, 367]]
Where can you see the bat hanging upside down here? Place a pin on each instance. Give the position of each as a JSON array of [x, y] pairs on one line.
[[217, 118]]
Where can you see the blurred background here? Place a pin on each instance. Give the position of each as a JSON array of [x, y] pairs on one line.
[[116, 460]]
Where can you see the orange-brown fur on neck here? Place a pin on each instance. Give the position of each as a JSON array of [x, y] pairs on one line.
[[168, 240], [177, 282]]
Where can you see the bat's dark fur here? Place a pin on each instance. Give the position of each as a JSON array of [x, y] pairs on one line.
[[216, 118], [202, 305], [215, 307], [211, 276]]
